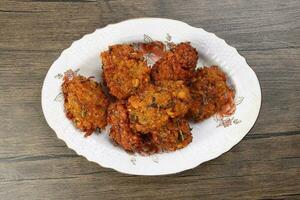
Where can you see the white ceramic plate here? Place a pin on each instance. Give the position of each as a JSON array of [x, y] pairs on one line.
[[211, 138]]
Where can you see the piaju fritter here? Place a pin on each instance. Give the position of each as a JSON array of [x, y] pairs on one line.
[[152, 108], [85, 103], [210, 94], [123, 135], [175, 134], [125, 71], [177, 64]]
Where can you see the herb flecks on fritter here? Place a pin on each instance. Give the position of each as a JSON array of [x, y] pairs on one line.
[[125, 71], [177, 64], [210, 94], [176, 134], [152, 108], [85, 103]]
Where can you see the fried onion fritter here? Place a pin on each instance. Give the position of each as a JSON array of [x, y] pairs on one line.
[[125, 71], [176, 134], [120, 131], [152, 108], [210, 94], [85, 103], [122, 134], [177, 64]]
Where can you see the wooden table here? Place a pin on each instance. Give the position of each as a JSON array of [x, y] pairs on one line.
[[34, 164]]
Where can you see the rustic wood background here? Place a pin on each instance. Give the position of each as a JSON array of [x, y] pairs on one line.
[[34, 164]]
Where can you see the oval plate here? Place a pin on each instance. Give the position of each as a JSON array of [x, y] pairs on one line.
[[211, 138]]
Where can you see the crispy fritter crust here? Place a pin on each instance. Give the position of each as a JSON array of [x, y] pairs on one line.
[[153, 107], [210, 94], [124, 70], [175, 135], [122, 134], [177, 64], [85, 103]]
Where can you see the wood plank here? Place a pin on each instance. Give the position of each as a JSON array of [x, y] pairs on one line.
[[53, 25], [242, 172], [246, 151]]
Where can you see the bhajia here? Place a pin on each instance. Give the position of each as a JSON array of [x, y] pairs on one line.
[[84, 101], [211, 94], [177, 64], [122, 134], [152, 108], [125, 71]]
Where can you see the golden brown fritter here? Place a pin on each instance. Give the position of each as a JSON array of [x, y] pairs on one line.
[[210, 94], [121, 133], [124, 70], [176, 134], [152, 108], [85, 103], [177, 64]]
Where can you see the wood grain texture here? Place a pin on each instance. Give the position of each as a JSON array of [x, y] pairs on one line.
[[34, 164]]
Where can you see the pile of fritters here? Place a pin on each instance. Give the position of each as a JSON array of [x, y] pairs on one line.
[[150, 118], [151, 105]]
